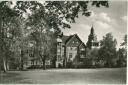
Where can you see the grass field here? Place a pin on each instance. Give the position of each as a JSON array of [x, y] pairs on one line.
[[66, 76]]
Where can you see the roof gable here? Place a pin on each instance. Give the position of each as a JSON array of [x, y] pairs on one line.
[[65, 39], [74, 41], [82, 45]]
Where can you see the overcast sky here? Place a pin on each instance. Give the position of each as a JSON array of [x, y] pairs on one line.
[[104, 20]]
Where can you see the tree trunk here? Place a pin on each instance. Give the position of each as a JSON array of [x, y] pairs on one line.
[[4, 65], [43, 58], [2, 44], [7, 65], [21, 66], [44, 65]]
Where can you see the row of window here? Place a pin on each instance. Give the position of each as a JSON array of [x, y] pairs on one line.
[[59, 43], [73, 48], [75, 42], [95, 44], [70, 55]]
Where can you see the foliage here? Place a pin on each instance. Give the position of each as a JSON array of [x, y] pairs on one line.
[[122, 58], [91, 57], [56, 14], [122, 53], [107, 50], [52, 14], [41, 18], [8, 31]]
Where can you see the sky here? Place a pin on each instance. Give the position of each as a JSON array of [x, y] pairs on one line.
[[103, 20]]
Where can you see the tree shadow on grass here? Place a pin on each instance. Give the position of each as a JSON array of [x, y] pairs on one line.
[[10, 77]]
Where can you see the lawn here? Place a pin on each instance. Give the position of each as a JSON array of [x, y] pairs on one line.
[[66, 76]]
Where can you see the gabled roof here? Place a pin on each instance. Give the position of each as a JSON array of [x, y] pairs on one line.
[[82, 44], [66, 39]]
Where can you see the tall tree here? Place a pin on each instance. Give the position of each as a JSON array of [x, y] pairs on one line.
[[122, 53], [11, 30], [107, 50], [122, 57], [7, 23]]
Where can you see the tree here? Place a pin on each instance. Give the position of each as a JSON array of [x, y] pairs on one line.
[[91, 57], [122, 53], [122, 58], [57, 14], [43, 45], [7, 23], [11, 22], [107, 50]]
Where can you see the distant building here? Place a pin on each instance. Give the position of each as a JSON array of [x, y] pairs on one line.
[[92, 40]]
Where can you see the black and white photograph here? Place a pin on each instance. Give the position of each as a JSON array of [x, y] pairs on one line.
[[63, 42]]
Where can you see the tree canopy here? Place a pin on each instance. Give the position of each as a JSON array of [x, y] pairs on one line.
[[108, 49]]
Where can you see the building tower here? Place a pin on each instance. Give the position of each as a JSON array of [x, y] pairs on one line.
[[92, 39]]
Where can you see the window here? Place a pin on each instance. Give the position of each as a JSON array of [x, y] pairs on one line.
[[58, 50], [97, 44], [70, 48], [94, 44], [59, 43], [75, 48], [70, 55], [81, 56], [59, 57]]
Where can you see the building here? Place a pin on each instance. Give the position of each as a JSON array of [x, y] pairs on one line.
[[70, 49], [70, 52], [92, 40]]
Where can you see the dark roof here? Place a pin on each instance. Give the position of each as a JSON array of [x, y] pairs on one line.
[[66, 38], [82, 44]]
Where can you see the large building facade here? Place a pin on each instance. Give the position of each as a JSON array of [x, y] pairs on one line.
[[71, 51]]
